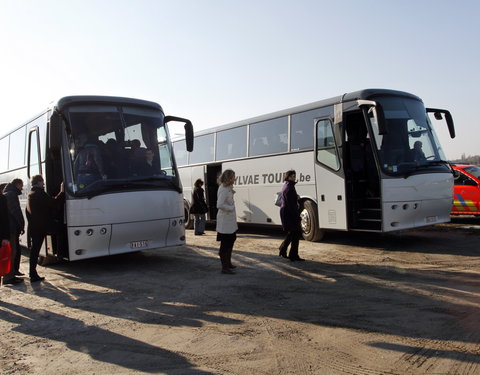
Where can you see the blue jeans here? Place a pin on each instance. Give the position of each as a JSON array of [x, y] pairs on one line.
[[199, 223]]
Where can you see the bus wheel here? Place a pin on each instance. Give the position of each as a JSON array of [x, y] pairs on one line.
[[188, 218], [309, 222]]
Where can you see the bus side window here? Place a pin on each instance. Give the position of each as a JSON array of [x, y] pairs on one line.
[[4, 154], [326, 149], [269, 137]]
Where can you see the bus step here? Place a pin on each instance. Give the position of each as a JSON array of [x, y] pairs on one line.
[[370, 203], [373, 225], [369, 214], [365, 230]]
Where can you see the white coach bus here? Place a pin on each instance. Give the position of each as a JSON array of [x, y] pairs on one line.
[[112, 203], [366, 161]]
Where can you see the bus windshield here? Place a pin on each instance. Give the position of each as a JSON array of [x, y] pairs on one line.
[[116, 148], [410, 143]]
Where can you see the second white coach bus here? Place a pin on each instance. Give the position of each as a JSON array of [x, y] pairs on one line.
[[98, 147], [366, 161]]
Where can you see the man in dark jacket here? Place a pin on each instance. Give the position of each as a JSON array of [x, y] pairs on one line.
[[41, 211], [17, 226]]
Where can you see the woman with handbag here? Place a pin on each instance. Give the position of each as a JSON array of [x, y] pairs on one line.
[[199, 208], [290, 216]]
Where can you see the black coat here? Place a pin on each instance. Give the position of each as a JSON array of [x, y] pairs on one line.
[[199, 206], [17, 222], [4, 222], [289, 211], [42, 209]]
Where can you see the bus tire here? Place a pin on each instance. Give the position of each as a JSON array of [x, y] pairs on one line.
[[309, 222], [188, 217]]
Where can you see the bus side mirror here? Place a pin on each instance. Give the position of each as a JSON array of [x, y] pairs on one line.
[[189, 136], [437, 113], [55, 131], [188, 130]]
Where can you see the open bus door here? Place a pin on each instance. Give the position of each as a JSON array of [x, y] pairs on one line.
[[211, 188], [329, 181]]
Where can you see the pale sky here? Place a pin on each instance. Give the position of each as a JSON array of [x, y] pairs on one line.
[[217, 62]]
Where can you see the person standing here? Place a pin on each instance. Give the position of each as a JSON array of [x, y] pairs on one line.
[[17, 223], [199, 208], [226, 220], [290, 216], [41, 210]]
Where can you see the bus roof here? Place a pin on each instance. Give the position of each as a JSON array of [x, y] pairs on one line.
[[86, 99], [365, 94], [94, 99]]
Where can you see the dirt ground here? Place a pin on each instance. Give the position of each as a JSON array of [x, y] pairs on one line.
[[403, 303]]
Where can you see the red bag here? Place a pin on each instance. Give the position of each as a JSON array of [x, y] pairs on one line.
[[5, 263]]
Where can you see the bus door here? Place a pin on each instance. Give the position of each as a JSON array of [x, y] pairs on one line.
[[211, 188], [361, 174], [329, 181]]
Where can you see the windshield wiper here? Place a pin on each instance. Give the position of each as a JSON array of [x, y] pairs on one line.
[[426, 165], [120, 185], [438, 162]]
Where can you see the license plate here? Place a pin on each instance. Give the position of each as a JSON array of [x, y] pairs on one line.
[[431, 219], [138, 244]]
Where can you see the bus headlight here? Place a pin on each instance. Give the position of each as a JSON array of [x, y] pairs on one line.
[[89, 232]]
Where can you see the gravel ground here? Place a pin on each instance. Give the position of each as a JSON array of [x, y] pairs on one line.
[[403, 303]]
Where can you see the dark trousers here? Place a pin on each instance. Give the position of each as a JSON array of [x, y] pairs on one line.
[[37, 241], [292, 238], [18, 255], [225, 251]]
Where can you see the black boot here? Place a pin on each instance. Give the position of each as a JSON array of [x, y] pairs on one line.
[[225, 263]]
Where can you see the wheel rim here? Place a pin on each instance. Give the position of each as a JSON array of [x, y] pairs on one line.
[[306, 222]]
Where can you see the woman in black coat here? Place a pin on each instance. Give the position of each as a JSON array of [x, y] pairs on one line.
[[199, 208], [290, 215]]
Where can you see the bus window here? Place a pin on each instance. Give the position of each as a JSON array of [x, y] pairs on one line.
[[231, 143], [302, 128], [3, 154], [34, 158], [180, 151], [269, 137], [326, 149], [166, 162], [41, 124], [110, 143], [16, 157], [203, 151]]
